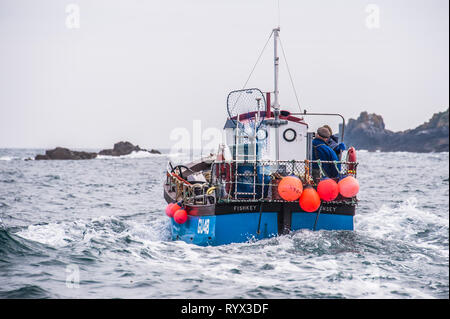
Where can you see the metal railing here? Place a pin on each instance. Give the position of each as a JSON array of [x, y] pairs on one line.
[[256, 181]]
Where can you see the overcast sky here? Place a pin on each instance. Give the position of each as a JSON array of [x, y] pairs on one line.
[[136, 70]]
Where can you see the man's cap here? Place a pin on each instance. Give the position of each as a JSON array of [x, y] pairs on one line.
[[323, 132], [329, 128]]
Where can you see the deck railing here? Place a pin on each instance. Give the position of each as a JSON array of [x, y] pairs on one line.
[[237, 181]]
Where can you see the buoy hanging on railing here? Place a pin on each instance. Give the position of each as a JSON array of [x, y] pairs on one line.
[[328, 189], [290, 188], [169, 210], [351, 157], [310, 200], [348, 186], [180, 216], [172, 208]]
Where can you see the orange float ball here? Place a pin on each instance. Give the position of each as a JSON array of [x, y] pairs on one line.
[[348, 186], [310, 200], [328, 189], [180, 216], [169, 210], [290, 188]]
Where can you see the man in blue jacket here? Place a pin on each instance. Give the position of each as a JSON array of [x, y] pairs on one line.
[[333, 142], [321, 151]]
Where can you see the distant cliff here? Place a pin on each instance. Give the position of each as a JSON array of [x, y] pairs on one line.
[[368, 132]]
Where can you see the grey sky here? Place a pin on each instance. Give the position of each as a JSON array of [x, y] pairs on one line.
[[135, 70]]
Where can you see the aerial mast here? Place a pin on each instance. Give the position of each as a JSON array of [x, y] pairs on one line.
[[275, 122], [276, 103]]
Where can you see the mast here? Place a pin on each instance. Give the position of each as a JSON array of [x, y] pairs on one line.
[[276, 59], [276, 103], [276, 122]]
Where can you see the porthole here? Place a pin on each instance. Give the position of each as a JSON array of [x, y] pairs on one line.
[[289, 135]]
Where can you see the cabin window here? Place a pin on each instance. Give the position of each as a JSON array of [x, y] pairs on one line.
[[289, 135]]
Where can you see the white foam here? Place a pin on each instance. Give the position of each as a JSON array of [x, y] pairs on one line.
[[406, 217], [103, 228], [54, 234], [138, 154], [158, 230], [7, 158]]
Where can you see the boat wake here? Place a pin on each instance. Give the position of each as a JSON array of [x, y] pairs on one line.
[[106, 231]]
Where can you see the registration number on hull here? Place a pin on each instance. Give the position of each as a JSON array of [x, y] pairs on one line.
[[203, 226]]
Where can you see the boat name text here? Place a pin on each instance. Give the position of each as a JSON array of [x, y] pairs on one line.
[[329, 209], [245, 208]]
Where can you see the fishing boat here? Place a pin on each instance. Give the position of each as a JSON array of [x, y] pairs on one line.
[[261, 181]]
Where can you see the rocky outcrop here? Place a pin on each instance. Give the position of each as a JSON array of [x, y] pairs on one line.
[[61, 153], [121, 148], [125, 148], [368, 132]]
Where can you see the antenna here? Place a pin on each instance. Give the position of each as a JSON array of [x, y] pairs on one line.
[[276, 122], [279, 19], [276, 62]]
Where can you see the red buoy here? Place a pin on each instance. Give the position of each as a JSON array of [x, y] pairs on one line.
[[180, 216], [169, 210], [173, 209], [290, 188], [348, 186], [351, 157], [328, 189], [310, 200]]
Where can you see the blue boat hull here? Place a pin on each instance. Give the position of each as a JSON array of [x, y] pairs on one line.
[[243, 226]]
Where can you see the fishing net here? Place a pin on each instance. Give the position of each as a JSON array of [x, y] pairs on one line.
[[248, 107]]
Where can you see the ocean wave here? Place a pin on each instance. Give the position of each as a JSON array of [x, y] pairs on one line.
[[103, 230], [8, 158], [407, 223], [27, 291], [135, 154], [11, 244], [54, 234]]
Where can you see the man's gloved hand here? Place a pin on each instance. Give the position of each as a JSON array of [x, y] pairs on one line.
[[341, 147]]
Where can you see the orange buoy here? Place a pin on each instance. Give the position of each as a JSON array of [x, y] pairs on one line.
[[173, 209], [348, 186], [180, 216], [169, 210], [310, 200], [328, 189], [290, 188]]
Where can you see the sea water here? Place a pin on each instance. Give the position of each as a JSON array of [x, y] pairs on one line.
[[97, 229]]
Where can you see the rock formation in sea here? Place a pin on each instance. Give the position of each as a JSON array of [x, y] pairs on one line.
[[125, 148], [368, 132], [61, 153]]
